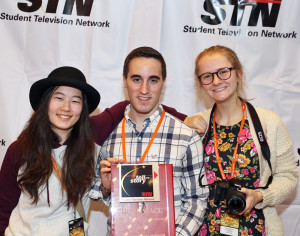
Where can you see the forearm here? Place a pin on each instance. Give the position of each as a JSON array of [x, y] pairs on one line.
[[285, 173], [191, 218], [105, 122], [194, 199], [97, 193]]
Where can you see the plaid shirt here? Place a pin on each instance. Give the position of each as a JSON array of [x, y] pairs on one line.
[[175, 143]]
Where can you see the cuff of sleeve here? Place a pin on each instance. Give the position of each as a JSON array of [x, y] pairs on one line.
[[181, 231], [268, 196], [95, 194]]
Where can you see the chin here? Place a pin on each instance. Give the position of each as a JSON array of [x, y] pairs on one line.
[[144, 111]]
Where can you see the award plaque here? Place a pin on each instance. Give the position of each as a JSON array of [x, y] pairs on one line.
[[142, 200]]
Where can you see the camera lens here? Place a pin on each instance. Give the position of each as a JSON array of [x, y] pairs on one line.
[[235, 201]]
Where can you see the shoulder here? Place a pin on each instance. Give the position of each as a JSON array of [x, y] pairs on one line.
[[179, 127], [273, 126], [268, 117], [205, 114], [265, 112], [176, 121], [12, 159], [13, 152]]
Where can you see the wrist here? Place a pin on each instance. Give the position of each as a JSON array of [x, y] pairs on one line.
[[105, 190], [259, 196]]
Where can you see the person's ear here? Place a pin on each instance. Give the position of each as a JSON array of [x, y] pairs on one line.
[[124, 81], [164, 83], [239, 74]]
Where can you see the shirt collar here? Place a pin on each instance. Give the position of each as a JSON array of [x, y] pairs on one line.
[[56, 144], [152, 120]]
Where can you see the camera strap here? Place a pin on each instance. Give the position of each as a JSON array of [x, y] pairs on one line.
[[260, 135], [262, 140]]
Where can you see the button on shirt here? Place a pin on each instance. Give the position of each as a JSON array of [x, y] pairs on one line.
[[175, 143]]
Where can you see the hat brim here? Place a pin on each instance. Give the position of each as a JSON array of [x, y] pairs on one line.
[[39, 87]]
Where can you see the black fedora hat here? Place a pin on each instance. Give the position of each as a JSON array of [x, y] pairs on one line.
[[64, 76]]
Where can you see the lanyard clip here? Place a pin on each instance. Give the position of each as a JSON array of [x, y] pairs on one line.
[[74, 212]]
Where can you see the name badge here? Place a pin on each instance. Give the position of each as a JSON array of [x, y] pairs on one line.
[[229, 224], [76, 227]]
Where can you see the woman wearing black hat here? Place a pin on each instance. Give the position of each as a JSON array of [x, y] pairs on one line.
[[55, 155]]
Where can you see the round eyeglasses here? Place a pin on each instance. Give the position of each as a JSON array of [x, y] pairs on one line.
[[223, 74]]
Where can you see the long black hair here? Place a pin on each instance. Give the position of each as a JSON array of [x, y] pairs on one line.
[[36, 143]]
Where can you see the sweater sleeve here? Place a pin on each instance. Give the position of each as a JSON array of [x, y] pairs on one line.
[[285, 173], [174, 112], [10, 191], [105, 122]]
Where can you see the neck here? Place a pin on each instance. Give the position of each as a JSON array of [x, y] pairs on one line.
[[62, 137], [138, 118], [229, 113]]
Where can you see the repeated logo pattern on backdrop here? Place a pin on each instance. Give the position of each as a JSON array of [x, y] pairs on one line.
[[83, 8], [233, 14]]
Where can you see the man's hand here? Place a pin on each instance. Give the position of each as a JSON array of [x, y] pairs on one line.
[[252, 199], [105, 171], [197, 122]]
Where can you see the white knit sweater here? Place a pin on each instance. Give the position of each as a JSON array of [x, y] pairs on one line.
[[285, 173]]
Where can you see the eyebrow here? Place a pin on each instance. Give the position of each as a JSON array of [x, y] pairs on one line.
[[217, 70], [151, 76], [154, 77], [60, 93]]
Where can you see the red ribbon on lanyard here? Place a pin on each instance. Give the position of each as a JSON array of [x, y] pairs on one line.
[[234, 157], [151, 140]]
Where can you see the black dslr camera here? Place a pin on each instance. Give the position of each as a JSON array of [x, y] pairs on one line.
[[227, 193]]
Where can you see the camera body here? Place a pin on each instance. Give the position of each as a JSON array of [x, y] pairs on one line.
[[230, 197]]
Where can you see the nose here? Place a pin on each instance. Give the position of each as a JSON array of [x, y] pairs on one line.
[[216, 79], [144, 87], [66, 106]]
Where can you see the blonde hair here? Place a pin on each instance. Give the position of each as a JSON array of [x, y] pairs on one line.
[[231, 56]]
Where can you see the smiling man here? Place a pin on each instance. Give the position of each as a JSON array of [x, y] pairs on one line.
[[144, 77]]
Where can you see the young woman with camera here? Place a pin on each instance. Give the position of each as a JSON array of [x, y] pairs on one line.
[[232, 151]]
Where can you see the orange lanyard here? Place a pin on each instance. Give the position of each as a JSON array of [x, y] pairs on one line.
[[58, 175], [149, 144], [235, 150], [57, 171]]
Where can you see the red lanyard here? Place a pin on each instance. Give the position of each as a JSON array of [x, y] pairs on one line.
[[235, 150], [149, 144]]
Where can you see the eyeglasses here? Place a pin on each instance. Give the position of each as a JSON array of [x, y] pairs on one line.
[[223, 74]]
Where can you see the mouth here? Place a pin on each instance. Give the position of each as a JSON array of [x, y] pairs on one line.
[[144, 98], [219, 89], [64, 117]]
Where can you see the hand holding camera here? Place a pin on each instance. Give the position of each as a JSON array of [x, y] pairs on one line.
[[253, 197], [227, 193], [234, 198]]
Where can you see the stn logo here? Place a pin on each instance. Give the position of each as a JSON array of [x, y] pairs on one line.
[[267, 9], [83, 7]]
